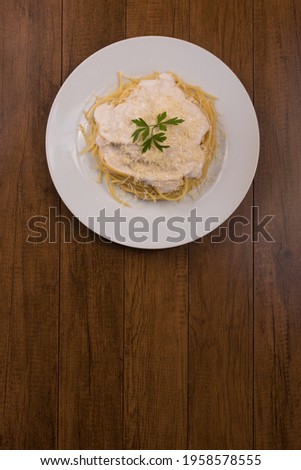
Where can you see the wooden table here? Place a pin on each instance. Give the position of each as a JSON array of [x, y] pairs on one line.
[[106, 347]]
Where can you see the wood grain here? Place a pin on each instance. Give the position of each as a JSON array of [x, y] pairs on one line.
[[30, 75], [103, 347], [155, 351], [156, 294], [220, 274], [91, 283], [278, 191], [157, 18]]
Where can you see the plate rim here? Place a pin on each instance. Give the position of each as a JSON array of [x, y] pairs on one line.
[[130, 243]]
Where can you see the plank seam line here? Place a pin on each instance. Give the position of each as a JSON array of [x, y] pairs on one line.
[[59, 273], [123, 288], [253, 246], [188, 306]]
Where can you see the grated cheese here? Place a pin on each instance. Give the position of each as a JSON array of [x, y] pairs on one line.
[[163, 170]]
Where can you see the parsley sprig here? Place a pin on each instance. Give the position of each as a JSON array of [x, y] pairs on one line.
[[147, 132]]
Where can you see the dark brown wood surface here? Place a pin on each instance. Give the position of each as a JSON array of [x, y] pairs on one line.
[[106, 347], [277, 266], [221, 313], [156, 300], [91, 281]]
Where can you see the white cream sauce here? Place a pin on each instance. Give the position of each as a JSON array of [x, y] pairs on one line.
[[163, 170]]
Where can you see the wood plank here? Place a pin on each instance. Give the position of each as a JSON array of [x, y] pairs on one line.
[[91, 326], [155, 352], [278, 191], [157, 18], [29, 292], [220, 289], [156, 294]]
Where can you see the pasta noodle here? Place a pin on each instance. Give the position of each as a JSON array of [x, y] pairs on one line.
[[117, 180]]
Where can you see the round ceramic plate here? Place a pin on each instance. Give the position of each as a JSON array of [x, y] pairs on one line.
[[147, 224]]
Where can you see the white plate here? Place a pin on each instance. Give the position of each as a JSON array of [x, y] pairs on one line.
[[75, 176]]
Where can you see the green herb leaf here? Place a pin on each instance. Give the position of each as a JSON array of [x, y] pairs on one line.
[[139, 122], [135, 134], [161, 137], [146, 131], [147, 145], [161, 117], [174, 121], [160, 147]]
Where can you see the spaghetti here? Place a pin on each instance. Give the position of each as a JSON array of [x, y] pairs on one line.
[[115, 179]]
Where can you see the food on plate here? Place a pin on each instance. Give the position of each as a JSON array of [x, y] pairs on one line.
[[153, 137]]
